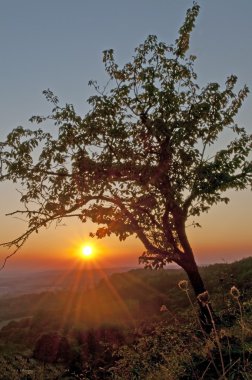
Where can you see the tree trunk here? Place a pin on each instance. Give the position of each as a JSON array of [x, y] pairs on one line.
[[198, 286], [187, 262]]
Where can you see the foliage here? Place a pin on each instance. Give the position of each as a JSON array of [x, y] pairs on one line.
[[142, 160], [50, 348], [187, 352], [150, 351], [22, 367]]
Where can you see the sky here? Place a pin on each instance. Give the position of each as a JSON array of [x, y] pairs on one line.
[[58, 44]]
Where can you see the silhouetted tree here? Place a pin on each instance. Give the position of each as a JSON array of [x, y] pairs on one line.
[[76, 361], [142, 161], [51, 347], [46, 348]]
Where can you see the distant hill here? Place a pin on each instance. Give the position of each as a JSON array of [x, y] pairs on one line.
[[18, 283]]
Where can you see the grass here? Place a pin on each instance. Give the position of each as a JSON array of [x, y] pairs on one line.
[[185, 352]]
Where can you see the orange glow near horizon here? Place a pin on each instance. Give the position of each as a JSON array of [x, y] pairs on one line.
[[225, 236]]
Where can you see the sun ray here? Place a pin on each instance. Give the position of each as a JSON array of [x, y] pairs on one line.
[[83, 297], [116, 296], [71, 299]]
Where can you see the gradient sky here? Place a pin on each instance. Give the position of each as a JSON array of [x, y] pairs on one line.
[[58, 44]]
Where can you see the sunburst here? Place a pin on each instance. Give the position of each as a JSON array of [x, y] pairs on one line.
[[87, 251]]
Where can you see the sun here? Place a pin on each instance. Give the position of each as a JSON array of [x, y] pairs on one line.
[[86, 251]]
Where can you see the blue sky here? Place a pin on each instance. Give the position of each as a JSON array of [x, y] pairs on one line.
[[58, 44]]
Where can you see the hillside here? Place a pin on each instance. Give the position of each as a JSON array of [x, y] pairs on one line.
[[97, 326]]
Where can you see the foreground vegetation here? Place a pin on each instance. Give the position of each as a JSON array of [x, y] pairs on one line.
[[136, 331]]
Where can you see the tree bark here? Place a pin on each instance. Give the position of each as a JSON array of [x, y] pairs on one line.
[[188, 263], [198, 286]]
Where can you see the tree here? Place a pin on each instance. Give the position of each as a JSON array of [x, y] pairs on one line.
[[138, 162], [51, 347]]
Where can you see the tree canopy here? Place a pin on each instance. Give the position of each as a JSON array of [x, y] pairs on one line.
[[142, 160]]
